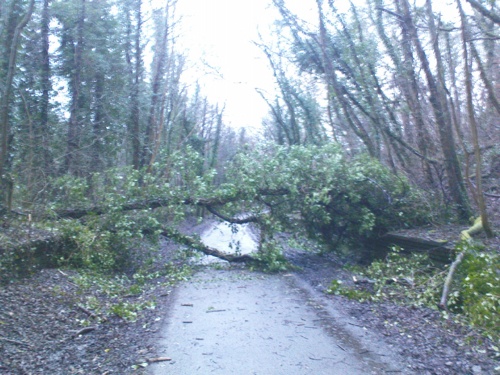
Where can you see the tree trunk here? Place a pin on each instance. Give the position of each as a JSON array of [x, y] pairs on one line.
[[339, 91], [473, 124], [98, 124], [159, 60], [485, 12], [411, 91], [72, 159], [442, 118], [135, 69], [43, 128], [6, 184]]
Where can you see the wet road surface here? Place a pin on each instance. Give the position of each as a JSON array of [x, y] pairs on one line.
[[241, 322]]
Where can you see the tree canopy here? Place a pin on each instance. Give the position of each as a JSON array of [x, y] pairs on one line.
[[380, 108]]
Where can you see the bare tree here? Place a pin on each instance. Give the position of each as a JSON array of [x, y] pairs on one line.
[[484, 11], [473, 125], [439, 105]]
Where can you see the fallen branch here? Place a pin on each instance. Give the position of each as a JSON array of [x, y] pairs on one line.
[[14, 341], [474, 229], [492, 195], [78, 213], [245, 220], [200, 246], [88, 312], [447, 284], [159, 359], [85, 330]]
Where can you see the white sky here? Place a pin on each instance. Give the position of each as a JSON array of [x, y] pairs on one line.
[[219, 36]]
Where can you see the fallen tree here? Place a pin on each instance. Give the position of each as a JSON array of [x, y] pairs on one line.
[[22, 257], [316, 191], [210, 203], [196, 244]]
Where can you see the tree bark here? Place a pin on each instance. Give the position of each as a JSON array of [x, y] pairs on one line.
[[46, 87], [443, 304], [439, 106], [6, 183], [484, 77], [484, 11], [136, 71], [72, 159], [409, 86], [339, 92], [473, 124], [157, 82]]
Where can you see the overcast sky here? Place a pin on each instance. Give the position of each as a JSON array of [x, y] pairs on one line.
[[219, 36]]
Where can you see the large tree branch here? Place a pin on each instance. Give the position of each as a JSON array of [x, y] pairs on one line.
[[207, 250], [245, 220], [78, 213], [443, 304], [485, 12]]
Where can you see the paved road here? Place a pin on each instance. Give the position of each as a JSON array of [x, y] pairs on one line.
[[239, 322]]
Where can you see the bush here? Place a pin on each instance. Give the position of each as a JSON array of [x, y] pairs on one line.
[[106, 242], [474, 297], [410, 279], [336, 197], [478, 288]]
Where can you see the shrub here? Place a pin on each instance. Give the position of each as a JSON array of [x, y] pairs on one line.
[[337, 198], [478, 288], [475, 293]]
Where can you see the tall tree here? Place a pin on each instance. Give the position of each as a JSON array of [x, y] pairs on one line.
[[406, 79], [164, 69], [90, 61], [473, 125], [133, 13], [73, 41], [439, 105], [16, 21]]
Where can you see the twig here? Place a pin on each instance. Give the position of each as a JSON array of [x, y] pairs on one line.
[[491, 195], [62, 273], [356, 325], [446, 289], [159, 359], [85, 330], [211, 311], [88, 312], [14, 341]]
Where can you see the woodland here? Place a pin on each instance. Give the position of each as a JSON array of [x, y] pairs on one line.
[[385, 117]]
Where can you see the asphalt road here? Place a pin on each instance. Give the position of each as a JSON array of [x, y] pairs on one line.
[[240, 322]]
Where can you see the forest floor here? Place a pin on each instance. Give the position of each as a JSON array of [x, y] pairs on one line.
[[53, 323]]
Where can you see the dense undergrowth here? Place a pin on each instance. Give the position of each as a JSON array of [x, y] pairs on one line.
[[124, 296], [414, 280], [314, 191]]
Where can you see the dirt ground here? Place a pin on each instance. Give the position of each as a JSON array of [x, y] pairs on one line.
[[45, 330]]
